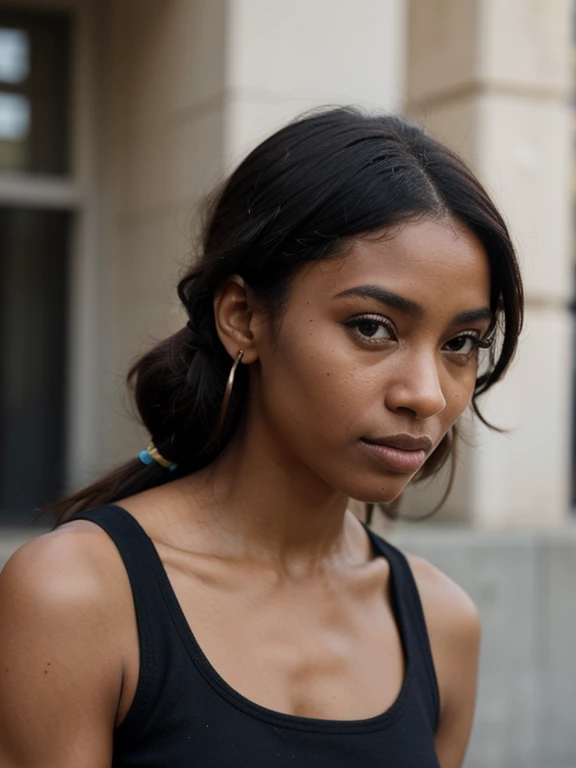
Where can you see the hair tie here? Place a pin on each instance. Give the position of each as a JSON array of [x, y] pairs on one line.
[[151, 454]]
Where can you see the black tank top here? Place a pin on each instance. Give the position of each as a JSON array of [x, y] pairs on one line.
[[184, 715]]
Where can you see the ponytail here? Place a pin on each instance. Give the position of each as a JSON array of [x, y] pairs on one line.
[[178, 387]]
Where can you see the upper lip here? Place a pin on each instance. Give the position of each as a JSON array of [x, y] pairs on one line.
[[404, 442]]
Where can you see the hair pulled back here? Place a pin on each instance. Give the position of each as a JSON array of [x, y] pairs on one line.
[[301, 195]]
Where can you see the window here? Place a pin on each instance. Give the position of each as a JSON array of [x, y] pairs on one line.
[[34, 254], [36, 224], [34, 92]]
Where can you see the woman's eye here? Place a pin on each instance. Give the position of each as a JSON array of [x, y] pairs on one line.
[[371, 329], [374, 329], [461, 341]]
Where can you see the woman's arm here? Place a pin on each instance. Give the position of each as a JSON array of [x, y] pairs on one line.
[[457, 712], [60, 670]]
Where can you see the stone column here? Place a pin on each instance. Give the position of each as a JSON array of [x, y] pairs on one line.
[[492, 79]]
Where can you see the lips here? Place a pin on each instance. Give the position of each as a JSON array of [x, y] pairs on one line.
[[403, 441], [402, 453]]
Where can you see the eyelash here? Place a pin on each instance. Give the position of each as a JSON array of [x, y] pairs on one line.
[[355, 322]]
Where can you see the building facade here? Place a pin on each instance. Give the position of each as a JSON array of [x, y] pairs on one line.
[[118, 116]]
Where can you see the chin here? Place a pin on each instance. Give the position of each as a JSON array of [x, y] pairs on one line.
[[384, 491]]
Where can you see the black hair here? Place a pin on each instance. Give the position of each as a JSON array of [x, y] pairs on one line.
[[302, 195]]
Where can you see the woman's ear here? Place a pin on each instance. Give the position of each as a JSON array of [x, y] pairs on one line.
[[235, 315]]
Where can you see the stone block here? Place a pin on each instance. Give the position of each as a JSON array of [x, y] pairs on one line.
[[523, 159], [557, 668], [453, 122], [499, 573], [457, 47], [526, 44], [167, 58], [442, 47], [522, 479], [321, 50], [161, 171]]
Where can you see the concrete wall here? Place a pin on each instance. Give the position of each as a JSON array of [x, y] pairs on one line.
[[523, 584]]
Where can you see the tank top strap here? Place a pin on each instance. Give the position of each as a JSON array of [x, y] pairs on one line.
[[408, 607], [158, 637]]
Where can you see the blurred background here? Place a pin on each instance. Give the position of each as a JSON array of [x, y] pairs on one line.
[[117, 116]]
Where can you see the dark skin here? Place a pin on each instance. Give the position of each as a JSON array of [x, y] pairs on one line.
[[265, 533]]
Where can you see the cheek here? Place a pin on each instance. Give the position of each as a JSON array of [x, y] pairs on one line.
[[458, 394], [310, 387]]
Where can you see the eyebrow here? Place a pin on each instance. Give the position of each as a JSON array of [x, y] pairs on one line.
[[411, 308]]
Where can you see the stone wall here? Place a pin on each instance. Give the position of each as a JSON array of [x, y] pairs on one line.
[[523, 584]]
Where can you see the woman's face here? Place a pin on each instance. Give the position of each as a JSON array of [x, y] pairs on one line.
[[352, 364]]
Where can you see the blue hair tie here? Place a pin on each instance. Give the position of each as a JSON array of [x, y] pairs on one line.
[[151, 455]]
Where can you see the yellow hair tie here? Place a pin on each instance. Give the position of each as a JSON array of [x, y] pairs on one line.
[[151, 454]]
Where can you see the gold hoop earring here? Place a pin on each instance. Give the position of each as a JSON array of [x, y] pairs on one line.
[[227, 393]]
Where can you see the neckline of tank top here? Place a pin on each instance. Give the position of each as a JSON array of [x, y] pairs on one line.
[[283, 719]]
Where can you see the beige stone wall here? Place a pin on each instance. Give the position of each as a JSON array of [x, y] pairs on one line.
[[285, 57]]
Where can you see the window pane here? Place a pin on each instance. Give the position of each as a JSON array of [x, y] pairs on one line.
[[14, 55], [14, 116], [33, 329], [34, 91]]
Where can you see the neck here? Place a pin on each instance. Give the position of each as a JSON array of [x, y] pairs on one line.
[[266, 504]]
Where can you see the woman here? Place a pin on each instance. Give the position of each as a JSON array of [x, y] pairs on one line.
[[214, 602]]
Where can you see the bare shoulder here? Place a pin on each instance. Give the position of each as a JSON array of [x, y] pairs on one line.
[[73, 579], [75, 564], [454, 628], [66, 590], [446, 604], [61, 669]]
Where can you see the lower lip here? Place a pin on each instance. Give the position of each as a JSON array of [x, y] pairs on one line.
[[395, 458]]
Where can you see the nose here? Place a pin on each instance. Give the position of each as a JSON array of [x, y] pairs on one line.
[[416, 387]]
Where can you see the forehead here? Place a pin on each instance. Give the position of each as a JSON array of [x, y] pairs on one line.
[[432, 262]]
